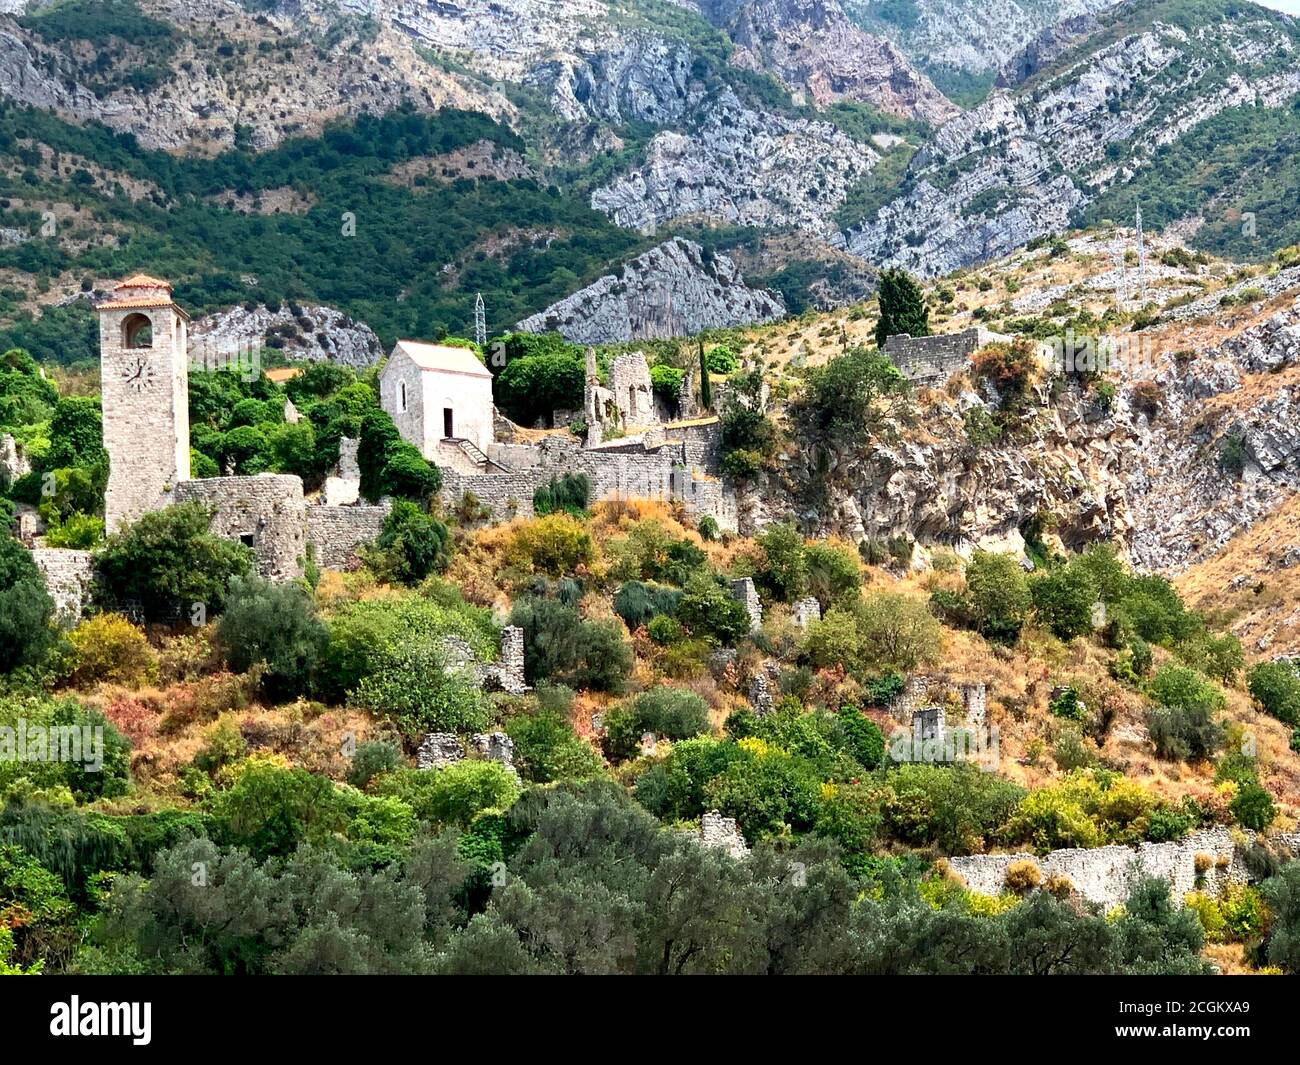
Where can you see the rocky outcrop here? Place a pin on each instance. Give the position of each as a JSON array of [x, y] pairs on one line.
[[1221, 453], [1023, 163], [1049, 45], [743, 167], [676, 289], [813, 47], [642, 77], [308, 333], [968, 35], [1232, 464]]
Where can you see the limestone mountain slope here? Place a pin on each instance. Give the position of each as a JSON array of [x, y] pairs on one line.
[[676, 289], [967, 35], [1028, 160], [812, 45]]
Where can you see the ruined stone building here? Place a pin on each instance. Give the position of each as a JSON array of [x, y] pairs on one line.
[[440, 399], [932, 360], [145, 388]]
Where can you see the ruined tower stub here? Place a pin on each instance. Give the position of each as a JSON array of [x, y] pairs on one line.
[[143, 337]]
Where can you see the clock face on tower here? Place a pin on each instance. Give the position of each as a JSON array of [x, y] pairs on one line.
[[138, 374]]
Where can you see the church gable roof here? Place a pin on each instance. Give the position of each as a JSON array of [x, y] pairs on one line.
[[442, 358]]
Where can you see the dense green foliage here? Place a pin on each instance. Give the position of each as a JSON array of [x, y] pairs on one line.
[[168, 562], [388, 273]]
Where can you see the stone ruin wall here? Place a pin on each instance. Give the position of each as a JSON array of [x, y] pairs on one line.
[[267, 511], [68, 578], [673, 470], [1105, 875], [335, 533], [932, 360]]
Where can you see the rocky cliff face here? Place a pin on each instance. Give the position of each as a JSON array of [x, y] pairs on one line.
[[743, 167], [1219, 453], [814, 48], [967, 35], [676, 289], [309, 333], [1024, 162]]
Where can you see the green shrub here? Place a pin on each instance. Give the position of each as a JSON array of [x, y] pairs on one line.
[[88, 768], [169, 561], [1068, 705], [372, 759], [412, 687], [412, 545], [1276, 687], [670, 713], [364, 633], [1252, 806], [1182, 725], [769, 792], [1063, 598], [455, 795], [547, 749], [275, 624], [865, 741], [784, 573], [271, 809], [664, 630], [637, 603], [26, 609], [554, 545], [997, 592], [673, 789], [109, 648], [564, 648], [570, 494], [709, 611]]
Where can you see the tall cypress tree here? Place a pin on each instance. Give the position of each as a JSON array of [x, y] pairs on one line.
[[706, 386], [902, 307]]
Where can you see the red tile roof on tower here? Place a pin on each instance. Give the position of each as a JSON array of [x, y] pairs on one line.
[[143, 281]]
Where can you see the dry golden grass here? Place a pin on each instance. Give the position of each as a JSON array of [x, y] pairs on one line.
[[1245, 587]]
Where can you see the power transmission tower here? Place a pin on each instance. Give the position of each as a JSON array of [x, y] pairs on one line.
[[480, 321], [1121, 274], [1142, 258]]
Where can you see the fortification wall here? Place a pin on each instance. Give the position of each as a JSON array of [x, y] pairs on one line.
[[68, 578], [335, 533], [265, 512], [932, 360], [1105, 875]]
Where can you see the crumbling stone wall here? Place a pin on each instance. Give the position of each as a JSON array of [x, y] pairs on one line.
[[805, 611], [13, 461], [505, 674], [744, 591], [343, 486], [1105, 875], [932, 360], [335, 533], [975, 701], [265, 512], [722, 833], [68, 578]]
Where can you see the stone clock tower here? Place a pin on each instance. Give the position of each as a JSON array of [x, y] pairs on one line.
[[143, 342]]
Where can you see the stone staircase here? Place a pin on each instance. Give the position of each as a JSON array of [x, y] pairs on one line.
[[477, 456]]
